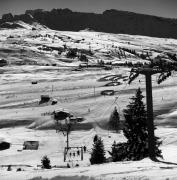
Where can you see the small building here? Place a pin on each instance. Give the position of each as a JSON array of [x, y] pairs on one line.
[[54, 101], [76, 119], [34, 82], [107, 92], [30, 145], [61, 115], [108, 67], [79, 119], [44, 99], [3, 62], [19, 63], [83, 65], [73, 119]]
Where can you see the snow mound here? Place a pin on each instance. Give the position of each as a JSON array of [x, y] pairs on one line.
[[87, 30], [21, 24]]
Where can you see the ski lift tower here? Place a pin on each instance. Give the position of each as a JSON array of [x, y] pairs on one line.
[[149, 70], [64, 123]]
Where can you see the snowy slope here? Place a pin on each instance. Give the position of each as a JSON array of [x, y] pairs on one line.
[[41, 55], [44, 46]]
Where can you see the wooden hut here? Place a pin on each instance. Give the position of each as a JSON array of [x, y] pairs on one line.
[[44, 99], [30, 145]]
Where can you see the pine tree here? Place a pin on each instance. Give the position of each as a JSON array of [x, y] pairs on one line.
[[95, 138], [119, 151], [45, 162], [98, 152], [114, 120], [136, 131]]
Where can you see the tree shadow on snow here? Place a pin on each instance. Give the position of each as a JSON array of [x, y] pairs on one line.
[[164, 162]]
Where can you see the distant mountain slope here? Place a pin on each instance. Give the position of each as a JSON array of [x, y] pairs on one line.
[[111, 21]]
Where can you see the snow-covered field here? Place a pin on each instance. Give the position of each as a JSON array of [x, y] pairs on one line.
[[23, 118]]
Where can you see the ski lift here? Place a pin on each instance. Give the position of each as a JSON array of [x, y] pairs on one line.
[[117, 107], [73, 154]]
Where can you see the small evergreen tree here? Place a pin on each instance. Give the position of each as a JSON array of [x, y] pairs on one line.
[[72, 53], [136, 130], [98, 152], [83, 58], [114, 120], [95, 138], [46, 163], [119, 151]]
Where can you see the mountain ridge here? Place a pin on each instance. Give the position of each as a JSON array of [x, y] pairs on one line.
[[110, 21]]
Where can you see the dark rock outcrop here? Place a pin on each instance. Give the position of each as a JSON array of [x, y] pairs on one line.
[[27, 18], [32, 12], [7, 17]]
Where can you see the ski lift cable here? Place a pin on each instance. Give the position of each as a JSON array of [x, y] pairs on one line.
[[95, 102], [108, 108], [116, 99], [120, 91], [173, 107], [114, 102]]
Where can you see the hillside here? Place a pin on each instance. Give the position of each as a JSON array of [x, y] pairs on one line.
[[41, 61], [110, 21]]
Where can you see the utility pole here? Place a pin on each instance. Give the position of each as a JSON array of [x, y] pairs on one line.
[[150, 121], [63, 124], [148, 72], [68, 130], [67, 140], [52, 87]]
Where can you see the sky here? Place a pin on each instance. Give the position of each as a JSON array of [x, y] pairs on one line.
[[164, 8]]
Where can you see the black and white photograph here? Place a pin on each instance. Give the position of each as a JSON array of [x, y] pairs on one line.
[[88, 89]]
